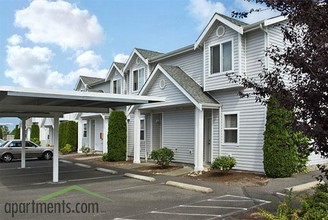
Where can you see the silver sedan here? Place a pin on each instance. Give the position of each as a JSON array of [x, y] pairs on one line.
[[10, 150]]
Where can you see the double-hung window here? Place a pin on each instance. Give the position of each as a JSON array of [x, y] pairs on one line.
[[230, 128], [221, 57], [117, 84], [142, 129], [138, 79]]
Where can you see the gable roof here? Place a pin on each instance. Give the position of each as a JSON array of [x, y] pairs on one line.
[[87, 80], [119, 65], [115, 65], [185, 84], [148, 54], [230, 22], [145, 56]]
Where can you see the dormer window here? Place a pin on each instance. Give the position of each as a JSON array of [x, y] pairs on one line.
[[117, 86], [138, 79], [221, 57]]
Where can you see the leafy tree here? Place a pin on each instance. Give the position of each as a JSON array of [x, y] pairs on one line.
[[304, 64], [68, 134], [16, 132], [4, 130], [116, 137]]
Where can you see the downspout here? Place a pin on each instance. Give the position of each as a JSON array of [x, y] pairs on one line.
[[266, 45]]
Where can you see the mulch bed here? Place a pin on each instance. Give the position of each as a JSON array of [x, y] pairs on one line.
[[233, 178]]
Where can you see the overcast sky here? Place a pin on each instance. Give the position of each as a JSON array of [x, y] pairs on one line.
[[48, 44]]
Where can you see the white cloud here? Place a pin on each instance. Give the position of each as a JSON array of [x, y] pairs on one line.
[[246, 6], [14, 39], [121, 58], [203, 10], [89, 58], [30, 67], [60, 23]]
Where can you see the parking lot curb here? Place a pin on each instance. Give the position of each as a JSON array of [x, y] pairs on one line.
[[303, 187], [140, 177], [106, 170], [189, 187], [66, 161], [82, 165]]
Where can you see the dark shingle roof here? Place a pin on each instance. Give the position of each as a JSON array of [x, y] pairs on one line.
[[189, 85], [232, 20], [148, 54], [91, 80], [120, 65]]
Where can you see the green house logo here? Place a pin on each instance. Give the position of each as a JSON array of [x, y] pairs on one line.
[[71, 188]]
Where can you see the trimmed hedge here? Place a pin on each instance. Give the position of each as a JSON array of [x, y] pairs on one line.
[[68, 134], [116, 137], [282, 150]]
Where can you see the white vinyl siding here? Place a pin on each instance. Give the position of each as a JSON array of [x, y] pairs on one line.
[[172, 94], [315, 159], [249, 150], [130, 136], [220, 80], [191, 63], [178, 133], [216, 133]]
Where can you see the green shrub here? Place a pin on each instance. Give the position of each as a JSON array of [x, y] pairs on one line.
[[285, 151], [35, 134], [36, 140], [85, 149], [1, 134], [313, 207], [224, 163], [105, 157], [162, 156], [68, 134], [16, 132], [67, 149], [116, 136]]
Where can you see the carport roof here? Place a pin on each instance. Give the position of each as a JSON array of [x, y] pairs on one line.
[[26, 102]]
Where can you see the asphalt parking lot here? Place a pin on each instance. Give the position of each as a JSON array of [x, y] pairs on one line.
[[115, 196]]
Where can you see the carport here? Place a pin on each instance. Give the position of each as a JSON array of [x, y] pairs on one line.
[[26, 103]]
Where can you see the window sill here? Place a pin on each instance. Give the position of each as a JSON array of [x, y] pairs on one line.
[[219, 74]]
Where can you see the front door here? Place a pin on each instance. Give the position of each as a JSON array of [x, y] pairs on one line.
[[156, 131], [208, 140]]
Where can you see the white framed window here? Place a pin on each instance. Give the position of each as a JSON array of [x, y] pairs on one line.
[[221, 57], [85, 130], [117, 86], [231, 128], [138, 79], [142, 129]]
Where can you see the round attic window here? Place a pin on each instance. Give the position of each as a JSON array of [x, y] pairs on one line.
[[138, 60], [220, 31], [162, 84]]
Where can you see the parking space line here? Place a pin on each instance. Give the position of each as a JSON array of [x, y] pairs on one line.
[[211, 207], [181, 213], [229, 200]]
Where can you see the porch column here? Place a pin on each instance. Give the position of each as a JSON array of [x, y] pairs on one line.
[[80, 130], [199, 140], [23, 138], [55, 172], [105, 133], [136, 151]]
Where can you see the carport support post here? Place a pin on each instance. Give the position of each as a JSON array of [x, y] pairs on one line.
[[55, 156], [136, 151], [199, 140], [23, 137]]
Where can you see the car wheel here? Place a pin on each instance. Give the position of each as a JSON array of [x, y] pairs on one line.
[[7, 157], [47, 155]]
